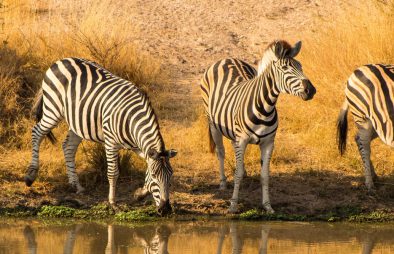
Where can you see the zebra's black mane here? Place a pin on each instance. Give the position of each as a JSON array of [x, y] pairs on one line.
[[285, 46]]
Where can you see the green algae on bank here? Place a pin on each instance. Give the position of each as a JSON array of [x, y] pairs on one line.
[[348, 214], [140, 214]]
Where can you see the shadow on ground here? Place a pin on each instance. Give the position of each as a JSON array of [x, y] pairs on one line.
[[302, 193]]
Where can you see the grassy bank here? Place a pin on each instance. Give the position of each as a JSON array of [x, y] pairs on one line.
[[129, 214], [309, 178]]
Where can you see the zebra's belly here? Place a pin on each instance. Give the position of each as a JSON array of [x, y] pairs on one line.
[[227, 128], [259, 133], [87, 124]]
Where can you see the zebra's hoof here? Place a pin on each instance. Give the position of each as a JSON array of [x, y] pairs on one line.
[[233, 209], [28, 181], [80, 190], [268, 208], [114, 208], [140, 194], [223, 186], [371, 190]]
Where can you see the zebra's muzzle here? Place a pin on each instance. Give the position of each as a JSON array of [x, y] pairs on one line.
[[164, 208], [309, 90]]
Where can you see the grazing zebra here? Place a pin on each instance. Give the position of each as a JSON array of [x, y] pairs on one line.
[[104, 108], [240, 105], [370, 97]]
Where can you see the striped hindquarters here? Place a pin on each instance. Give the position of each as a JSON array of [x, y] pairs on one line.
[[370, 93], [216, 85], [223, 75]]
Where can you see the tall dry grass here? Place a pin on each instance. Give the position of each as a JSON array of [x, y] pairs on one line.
[[357, 37], [306, 138], [36, 34]]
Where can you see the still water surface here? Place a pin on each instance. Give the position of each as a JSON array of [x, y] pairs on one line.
[[35, 236]]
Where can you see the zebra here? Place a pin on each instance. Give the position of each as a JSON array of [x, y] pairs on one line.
[[101, 107], [240, 105], [370, 98]]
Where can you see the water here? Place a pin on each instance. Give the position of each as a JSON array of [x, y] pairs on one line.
[[34, 236]]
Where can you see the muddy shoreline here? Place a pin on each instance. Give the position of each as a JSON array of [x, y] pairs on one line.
[[124, 213]]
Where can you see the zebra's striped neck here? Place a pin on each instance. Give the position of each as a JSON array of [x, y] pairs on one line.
[[153, 139], [267, 94]]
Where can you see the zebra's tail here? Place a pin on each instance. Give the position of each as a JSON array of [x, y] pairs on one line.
[[212, 145], [342, 128], [37, 111]]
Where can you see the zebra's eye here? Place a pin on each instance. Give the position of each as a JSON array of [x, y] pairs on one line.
[[285, 67]]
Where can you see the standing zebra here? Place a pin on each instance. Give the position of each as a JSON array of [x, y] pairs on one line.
[[370, 97], [104, 108], [240, 105]]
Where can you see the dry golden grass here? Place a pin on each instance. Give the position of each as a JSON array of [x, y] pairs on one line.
[[306, 137], [28, 50], [329, 57]]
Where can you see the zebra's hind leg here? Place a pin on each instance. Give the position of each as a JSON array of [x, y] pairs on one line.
[[239, 148], [363, 139], [112, 154], [70, 146], [220, 152], [39, 131]]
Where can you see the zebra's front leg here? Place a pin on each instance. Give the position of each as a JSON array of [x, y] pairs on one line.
[[266, 149], [220, 152], [38, 134], [239, 148], [112, 155], [70, 146], [141, 192]]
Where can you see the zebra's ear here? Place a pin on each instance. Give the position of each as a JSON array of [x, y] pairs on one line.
[[153, 154], [296, 49], [171, 153]]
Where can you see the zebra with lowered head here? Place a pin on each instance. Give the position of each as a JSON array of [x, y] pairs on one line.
[[370, 98], [240, 105], [104, 108]]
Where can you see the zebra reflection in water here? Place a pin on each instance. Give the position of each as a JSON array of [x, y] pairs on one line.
[[237, 241], [69, 244], [158, 244]]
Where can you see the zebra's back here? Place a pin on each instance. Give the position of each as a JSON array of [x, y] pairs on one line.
[[370, 93], [220, 87], [91, 99]]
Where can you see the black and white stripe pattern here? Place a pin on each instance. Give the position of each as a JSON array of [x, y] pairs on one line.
[[240, 105], [370, 99], [101, 107]]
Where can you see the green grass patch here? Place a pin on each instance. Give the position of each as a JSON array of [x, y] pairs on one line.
[[376, 216], [18, 212], [255, 214], [339, 213], [145, 214], [56, 211], [100, 211]]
